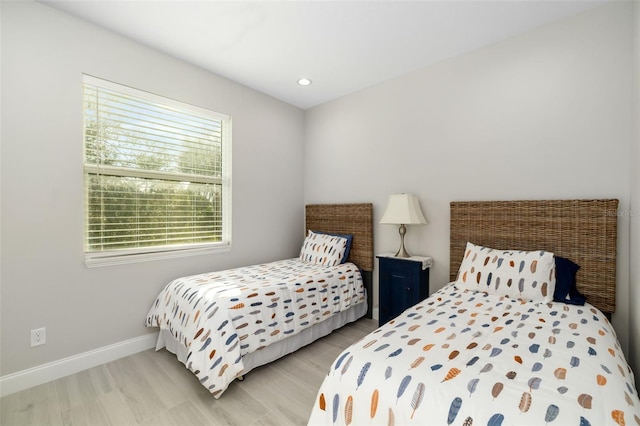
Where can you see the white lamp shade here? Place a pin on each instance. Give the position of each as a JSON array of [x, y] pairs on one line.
[[403, 209]]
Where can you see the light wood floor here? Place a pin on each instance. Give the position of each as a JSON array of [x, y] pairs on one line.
[[154, 388]]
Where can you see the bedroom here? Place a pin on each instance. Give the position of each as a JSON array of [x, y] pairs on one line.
[[531, 130]]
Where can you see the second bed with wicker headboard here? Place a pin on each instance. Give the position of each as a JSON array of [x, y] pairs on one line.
[[469, 354], [222, 324]]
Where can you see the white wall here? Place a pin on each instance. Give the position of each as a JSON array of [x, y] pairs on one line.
[[44, 280], [634, 216], [544, 115]]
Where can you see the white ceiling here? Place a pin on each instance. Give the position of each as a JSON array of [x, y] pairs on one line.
[[342, 46]]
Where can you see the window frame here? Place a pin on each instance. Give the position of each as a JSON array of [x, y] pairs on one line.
[[151, 253]]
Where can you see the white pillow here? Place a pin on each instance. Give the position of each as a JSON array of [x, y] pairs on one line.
[[323, 249], [523, 275]]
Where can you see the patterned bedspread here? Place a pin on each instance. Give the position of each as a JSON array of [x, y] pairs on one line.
[[465, 358], [221, 316]]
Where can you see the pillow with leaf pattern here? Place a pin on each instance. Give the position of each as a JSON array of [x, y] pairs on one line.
[[323, 249], [522, 275]]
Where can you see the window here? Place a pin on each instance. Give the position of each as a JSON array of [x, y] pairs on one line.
[[157, 176]]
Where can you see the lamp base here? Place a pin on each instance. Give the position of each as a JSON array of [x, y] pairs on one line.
[[402, 252]]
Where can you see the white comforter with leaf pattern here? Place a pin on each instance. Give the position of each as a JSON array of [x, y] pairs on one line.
[[221, 316], [466, 358]]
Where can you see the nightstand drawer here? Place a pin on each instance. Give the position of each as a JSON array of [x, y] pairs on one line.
[[403, 282]]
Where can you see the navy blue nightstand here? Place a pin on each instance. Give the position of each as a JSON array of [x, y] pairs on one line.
[[402, 282]]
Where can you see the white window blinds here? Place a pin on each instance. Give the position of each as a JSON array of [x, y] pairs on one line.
[[156, 172]]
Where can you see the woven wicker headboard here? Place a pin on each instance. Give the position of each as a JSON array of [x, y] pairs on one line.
[[584, 231], [354, 219]]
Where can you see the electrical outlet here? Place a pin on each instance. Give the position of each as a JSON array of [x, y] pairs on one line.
[[38, 336]]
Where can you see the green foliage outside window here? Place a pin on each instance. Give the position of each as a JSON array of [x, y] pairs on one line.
[[153, 175]]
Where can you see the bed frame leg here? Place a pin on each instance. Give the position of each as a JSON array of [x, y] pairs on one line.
[[240, 378]]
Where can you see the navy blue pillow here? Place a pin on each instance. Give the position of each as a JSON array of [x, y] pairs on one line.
[[566, 290], [349, 239]]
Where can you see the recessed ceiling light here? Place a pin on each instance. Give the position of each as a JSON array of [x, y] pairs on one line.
[[304, 82]]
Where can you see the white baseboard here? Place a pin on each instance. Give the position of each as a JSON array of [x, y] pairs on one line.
[[35, 376], [375, 313]]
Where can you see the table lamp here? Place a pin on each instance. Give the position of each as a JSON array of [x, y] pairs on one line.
[[403, 209]]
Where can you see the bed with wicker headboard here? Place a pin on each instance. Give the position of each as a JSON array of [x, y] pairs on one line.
[[491, 349], [584, 231], [222, 324]]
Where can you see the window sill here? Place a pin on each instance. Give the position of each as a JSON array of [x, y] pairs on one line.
[[96, 260]]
